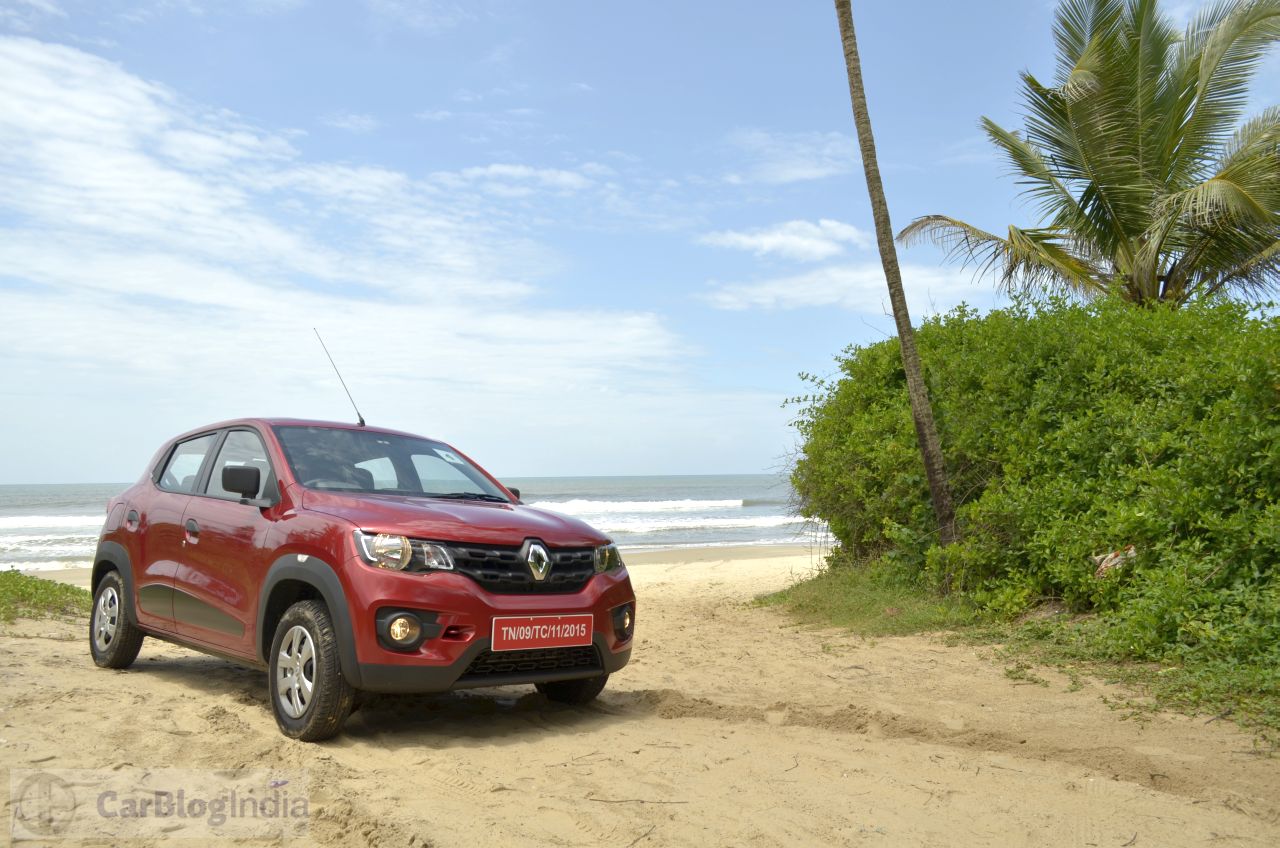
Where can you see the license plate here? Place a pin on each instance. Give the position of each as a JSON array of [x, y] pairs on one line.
[[525, 632]]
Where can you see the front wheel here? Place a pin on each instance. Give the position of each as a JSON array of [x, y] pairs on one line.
[[114, 640], [309, 696], [574, 692]]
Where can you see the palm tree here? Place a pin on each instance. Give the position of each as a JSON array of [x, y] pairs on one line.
[[921, 411], [1148, 185]]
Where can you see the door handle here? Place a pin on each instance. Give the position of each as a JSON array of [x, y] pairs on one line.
[[193, 531]]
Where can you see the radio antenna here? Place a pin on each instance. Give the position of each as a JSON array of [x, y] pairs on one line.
[[359, 417]]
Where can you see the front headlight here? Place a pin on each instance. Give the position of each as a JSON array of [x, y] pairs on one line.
[[385, 550], [607, 559]]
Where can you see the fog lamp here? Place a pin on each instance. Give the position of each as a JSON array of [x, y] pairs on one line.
[[404, 629], [624, 621]]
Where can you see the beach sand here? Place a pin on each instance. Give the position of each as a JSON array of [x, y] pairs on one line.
[[731, 726]]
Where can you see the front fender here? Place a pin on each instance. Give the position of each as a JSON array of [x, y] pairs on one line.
[[321, 576]]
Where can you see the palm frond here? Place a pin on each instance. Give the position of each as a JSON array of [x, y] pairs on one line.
[[1143, 177], [1259, 135], [1223, 48], [1256, 276], [1224, 200], [1075, 25], [1146, 40], [1052, 195], [1026, 259], [1034, 258]]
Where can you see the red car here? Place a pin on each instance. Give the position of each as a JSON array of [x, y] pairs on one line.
[[345, 558]]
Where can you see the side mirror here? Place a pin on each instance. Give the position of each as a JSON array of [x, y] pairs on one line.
[[513, 490], [242, 480]]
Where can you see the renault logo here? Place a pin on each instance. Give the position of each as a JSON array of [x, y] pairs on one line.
[[539, 561]]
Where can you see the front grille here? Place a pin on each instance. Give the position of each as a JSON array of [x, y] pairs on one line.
[[503, 571], [532, 663]]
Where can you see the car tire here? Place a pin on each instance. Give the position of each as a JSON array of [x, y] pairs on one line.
[[574, 692], [309, 696], [114, 640]]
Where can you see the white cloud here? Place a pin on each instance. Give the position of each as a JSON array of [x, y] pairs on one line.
[[857, 287], [165, 251], [355, 122], [518, 180], [218, 147], [434, 115], [26, 15], [501, 54], [141, 11], [430, 16], [779, 158], [806, 241]]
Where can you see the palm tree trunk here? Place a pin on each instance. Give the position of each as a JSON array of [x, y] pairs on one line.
[[921, 411]]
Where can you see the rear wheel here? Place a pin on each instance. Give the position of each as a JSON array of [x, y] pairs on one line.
[[114, 640], [575, 692], [309, 696]]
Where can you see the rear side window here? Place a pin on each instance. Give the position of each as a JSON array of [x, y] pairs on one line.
[[242, 447], [182, 471]]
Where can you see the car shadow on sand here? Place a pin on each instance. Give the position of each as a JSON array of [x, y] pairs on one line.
[[499, 714]]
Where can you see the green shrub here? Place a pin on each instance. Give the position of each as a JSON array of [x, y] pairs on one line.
[[1073, 430], [23, 596]]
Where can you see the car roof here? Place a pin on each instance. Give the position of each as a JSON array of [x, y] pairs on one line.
[[294, 422]]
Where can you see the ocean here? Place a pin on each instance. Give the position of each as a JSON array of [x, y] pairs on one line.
[[56, 526]]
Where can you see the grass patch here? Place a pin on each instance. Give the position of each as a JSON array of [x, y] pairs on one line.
[[1247, 694], [22, 596], [870, 603], [1022, 672]]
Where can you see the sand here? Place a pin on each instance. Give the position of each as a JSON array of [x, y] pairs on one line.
[[731, 726]]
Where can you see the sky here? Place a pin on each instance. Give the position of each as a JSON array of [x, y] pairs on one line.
[[569, 237]]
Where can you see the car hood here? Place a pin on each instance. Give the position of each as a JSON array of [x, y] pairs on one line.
[[454, 521]]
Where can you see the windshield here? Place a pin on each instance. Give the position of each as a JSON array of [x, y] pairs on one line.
[[381, 463]]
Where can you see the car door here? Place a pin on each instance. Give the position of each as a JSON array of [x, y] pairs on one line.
[[225, 557], [160, 532]]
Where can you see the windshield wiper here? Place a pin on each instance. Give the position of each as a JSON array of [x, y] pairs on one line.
[[472, 496]]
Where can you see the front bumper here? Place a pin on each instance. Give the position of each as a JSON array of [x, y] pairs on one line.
[[377, 677], [458, 655]]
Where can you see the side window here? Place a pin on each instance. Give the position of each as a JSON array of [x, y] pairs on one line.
[[242, 447], [183, 469], [440, 476]]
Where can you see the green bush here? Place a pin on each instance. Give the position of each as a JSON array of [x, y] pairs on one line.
[[1073, 430], [23, 596]]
